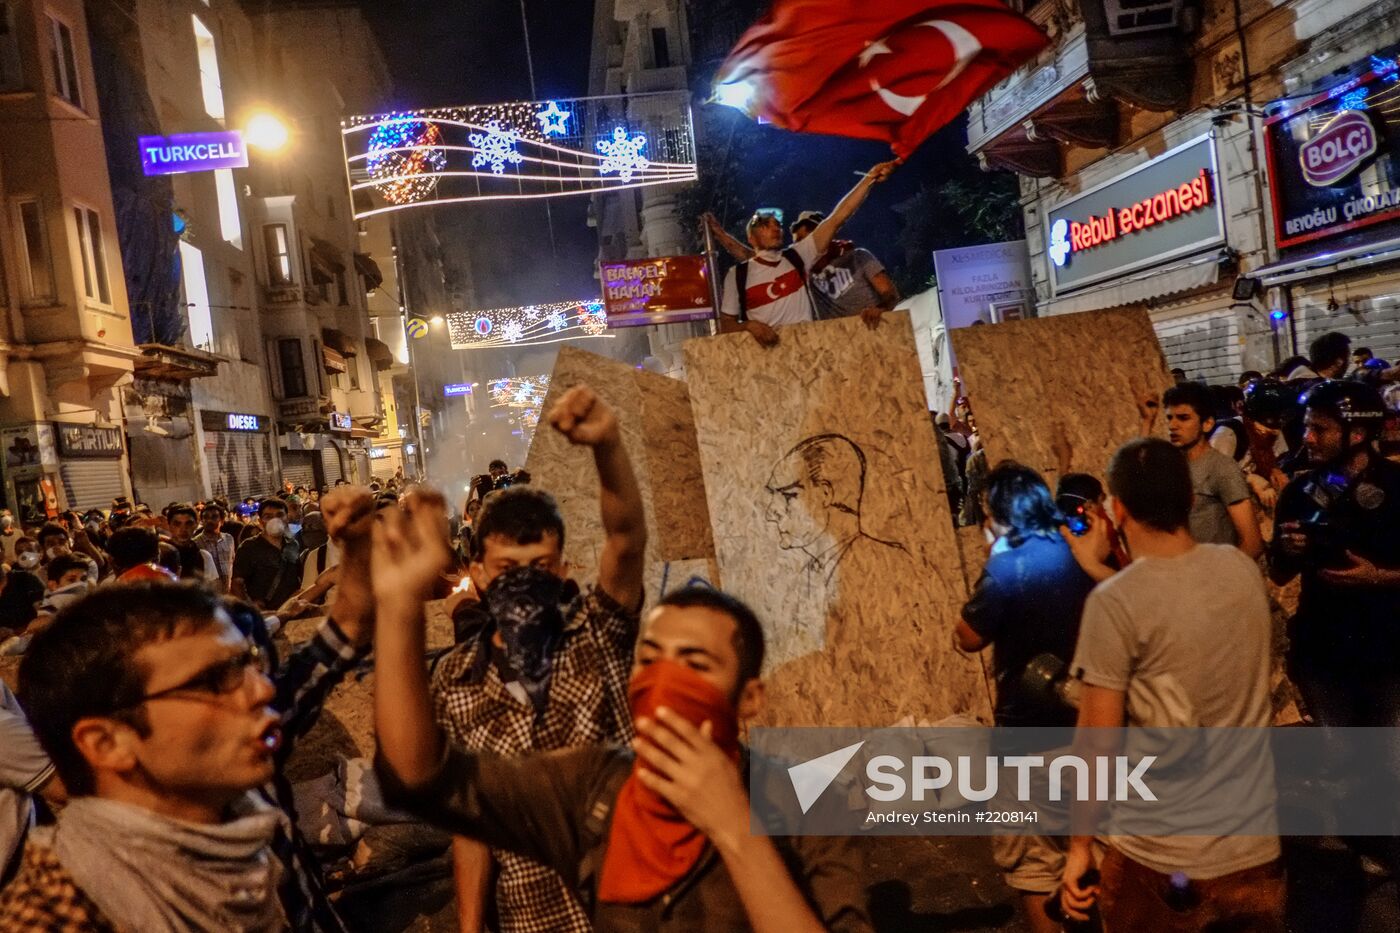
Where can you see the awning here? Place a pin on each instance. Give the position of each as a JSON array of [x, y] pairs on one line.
[[1324, 264], [379, 353], [337, 341], [332, 361], [1201, 272], [326, 261], [367, 267]]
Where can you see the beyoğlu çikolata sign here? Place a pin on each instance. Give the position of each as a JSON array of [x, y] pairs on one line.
[[1326, 177]]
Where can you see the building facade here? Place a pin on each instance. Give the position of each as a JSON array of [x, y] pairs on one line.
[[320, 62], [1142, 136], [67, 337], [642, 46]]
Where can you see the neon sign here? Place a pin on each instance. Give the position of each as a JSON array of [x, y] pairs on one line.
[[1348, 140], [237, 422], [192, 152], [1068, 237]]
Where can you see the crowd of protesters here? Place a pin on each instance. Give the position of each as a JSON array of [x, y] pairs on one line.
[[586, 758]]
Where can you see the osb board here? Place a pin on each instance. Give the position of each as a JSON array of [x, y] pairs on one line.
[[1078, 377], [654, 433], [673, 467], [854, 570]]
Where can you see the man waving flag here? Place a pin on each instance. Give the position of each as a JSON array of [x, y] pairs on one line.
[[896, 70]]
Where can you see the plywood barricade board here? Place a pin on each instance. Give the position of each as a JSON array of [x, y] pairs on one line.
[[1072, 377], [830, 518], [658, 434]]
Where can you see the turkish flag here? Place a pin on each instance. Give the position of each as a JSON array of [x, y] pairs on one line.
[[896, 70]]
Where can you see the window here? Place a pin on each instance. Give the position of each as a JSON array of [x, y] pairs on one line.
[[293, 367], [660, 49], [95, 284], [320, 359], [38, 268], [279, 254], [11, 73], [330, 207], [65, 62], [342, 296], [209, 81], [230, 223], [352, 368], [201, 316]]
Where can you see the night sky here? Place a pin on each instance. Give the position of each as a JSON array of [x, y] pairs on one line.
[[457, 52]]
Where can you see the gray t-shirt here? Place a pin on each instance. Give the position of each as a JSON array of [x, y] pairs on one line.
[[1218, 483], [1187, 639], [845, 285], [24, 768]]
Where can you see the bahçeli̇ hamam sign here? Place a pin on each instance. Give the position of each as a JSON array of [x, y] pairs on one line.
[[192, 152]]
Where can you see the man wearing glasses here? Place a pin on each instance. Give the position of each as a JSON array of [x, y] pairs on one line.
[[770, 289], [171, 746]]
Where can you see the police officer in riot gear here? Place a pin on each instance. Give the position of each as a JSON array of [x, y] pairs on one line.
[[1338, 527]]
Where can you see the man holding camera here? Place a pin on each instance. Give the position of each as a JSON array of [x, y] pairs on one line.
[[1336, 527]]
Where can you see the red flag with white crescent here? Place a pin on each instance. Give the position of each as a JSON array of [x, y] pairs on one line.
[[893, 70]]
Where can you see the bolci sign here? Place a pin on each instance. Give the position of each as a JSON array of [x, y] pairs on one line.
[[1344, 144]]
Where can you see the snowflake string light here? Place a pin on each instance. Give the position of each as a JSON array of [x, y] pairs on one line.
[[623, 154], [553, 120], [548, 322], [496, 147], [402, 156], [592, 318], [1354, 100]]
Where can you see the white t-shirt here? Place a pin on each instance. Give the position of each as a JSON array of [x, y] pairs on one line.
[[775, 291]]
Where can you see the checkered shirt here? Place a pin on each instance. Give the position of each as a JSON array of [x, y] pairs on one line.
[[587, 706], [44, 898]]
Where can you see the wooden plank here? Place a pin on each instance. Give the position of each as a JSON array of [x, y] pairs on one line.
[[831, 520], [654, 423], [673, 468], [1076, 377]]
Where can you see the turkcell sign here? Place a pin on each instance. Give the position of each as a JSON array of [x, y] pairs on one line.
[[192, 152], [1166, 208], [457, 388]]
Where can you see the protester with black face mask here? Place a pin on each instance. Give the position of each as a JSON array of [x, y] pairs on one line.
[[539, 666]]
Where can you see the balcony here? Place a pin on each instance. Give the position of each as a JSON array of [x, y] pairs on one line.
[[281, 295], [1073, 93]]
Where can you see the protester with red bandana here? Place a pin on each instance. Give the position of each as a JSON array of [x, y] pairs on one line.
[[656, 838]]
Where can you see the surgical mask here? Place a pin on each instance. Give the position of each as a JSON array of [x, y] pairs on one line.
[[276, 527], [28, 560], [6, 522], [56, 552], [93, 528]]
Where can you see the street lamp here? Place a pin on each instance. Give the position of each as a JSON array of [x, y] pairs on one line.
[[266, 131], [436, 319]]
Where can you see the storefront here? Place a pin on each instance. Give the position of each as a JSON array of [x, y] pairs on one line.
[[1153, 234], [1334, 185], [90, 465], [31, 472], [238, 454]]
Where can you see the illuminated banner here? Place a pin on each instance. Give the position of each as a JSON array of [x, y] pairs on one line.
[[1333, 166], [457, 388], [529, 149], [1159, 211], [192, 152], [668, 290], [528, 325]]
